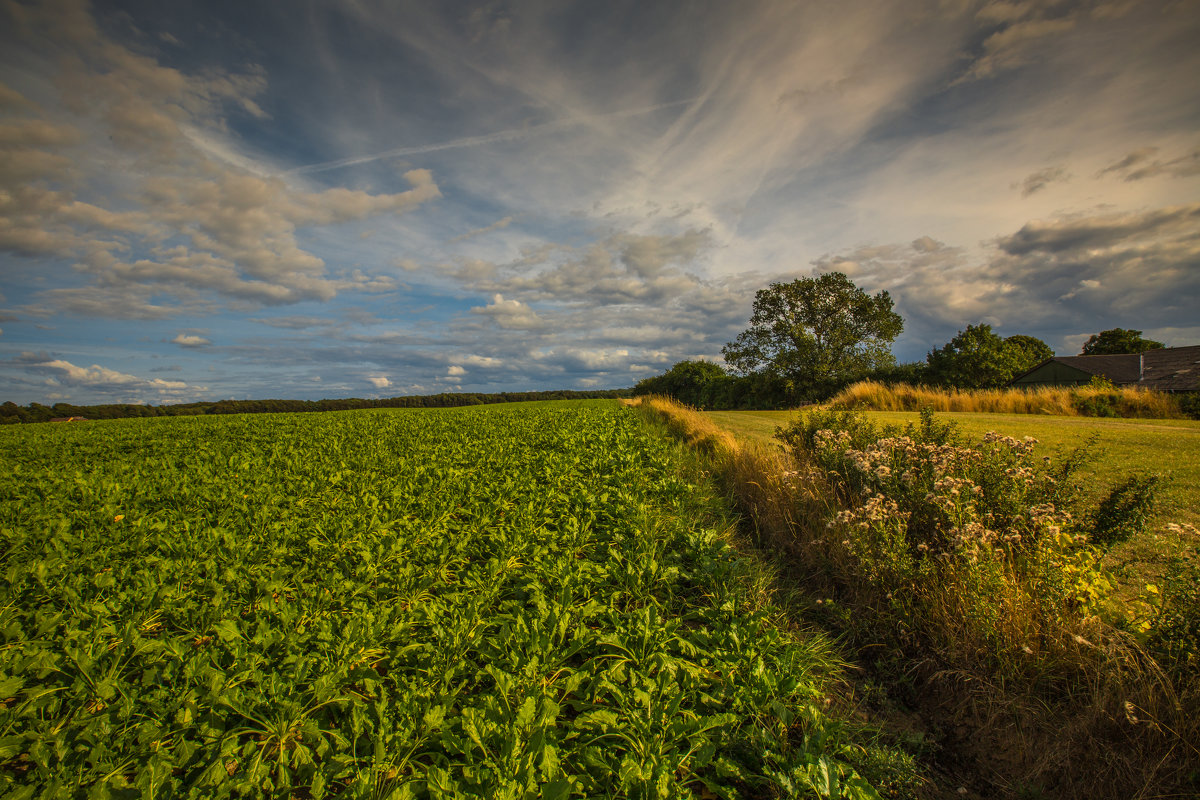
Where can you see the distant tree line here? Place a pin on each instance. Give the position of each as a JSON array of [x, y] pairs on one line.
[[811, 338], [36, 412]]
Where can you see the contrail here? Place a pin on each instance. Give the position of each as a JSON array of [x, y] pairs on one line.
[[487, 138]]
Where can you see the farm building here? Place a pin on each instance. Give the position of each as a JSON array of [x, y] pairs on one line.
[[1170, 369]]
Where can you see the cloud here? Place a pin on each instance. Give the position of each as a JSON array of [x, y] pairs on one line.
[[619, 269], [191, 340], [1101, 231], [138, 191], [1041, 179], [590, 359], [499, 224], [102, 382], [295, 322], [510, 314], [1019, 29], [1137, 165], [455, 371], [484, 362], [1054, 276], [379, 381], [495, 137]]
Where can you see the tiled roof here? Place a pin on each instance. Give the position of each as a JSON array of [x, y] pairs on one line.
[[1169, 369], [1172, 369]]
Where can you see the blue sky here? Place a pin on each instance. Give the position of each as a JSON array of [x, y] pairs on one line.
[[204, 200]]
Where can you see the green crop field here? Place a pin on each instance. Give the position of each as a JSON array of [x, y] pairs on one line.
[[518, 601]]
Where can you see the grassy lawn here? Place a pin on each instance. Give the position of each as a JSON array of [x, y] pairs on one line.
[[1168, 448]]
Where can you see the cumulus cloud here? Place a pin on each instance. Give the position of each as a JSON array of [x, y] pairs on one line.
[[1055, 276], [511, 314], [102, 382], [379, 381], [619, 269], [191, 340], [455, 371], [130, 189]]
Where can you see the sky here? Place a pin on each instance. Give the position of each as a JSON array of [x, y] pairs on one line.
[[203, 200]]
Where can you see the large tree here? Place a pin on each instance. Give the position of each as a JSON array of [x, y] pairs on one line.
[[816, 333], [1028, 350], [1117, 341], [978, 359]]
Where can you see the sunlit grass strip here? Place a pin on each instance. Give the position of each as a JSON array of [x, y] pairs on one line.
[[1121, 401]]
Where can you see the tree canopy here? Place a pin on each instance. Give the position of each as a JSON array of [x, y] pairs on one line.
[[687, 381], [1117, 341], [977, 358], [816, 334]]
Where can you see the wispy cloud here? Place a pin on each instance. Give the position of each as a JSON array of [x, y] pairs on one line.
[[511, 135]]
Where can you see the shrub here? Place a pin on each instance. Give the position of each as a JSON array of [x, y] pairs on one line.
[[973, 545], [1098, 404], [1123, 513], [1189, 404], [1174, 631]]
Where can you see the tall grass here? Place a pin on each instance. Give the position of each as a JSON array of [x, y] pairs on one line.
[[1076, 401], [1005, 649]]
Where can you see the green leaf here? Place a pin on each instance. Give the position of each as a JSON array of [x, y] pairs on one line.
[[227, 629]]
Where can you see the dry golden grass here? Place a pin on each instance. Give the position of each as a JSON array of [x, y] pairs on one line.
[[1126, 402], [1078, 708]]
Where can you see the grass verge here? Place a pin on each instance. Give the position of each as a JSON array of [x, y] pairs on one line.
[[1004, 655]]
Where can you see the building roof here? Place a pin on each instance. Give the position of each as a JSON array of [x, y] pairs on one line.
[[1168, 369], [1118, 369], [1172, 369]]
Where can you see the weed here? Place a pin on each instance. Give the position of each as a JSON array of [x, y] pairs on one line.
[[1174, 631], [1123, 513]]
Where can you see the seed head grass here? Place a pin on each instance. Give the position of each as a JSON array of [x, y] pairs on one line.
[[1056, 401]]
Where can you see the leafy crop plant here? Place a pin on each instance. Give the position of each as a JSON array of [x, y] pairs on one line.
[[505, 602]]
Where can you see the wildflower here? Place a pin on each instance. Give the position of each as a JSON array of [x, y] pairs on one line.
[[118, 517], [1027, 650]]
